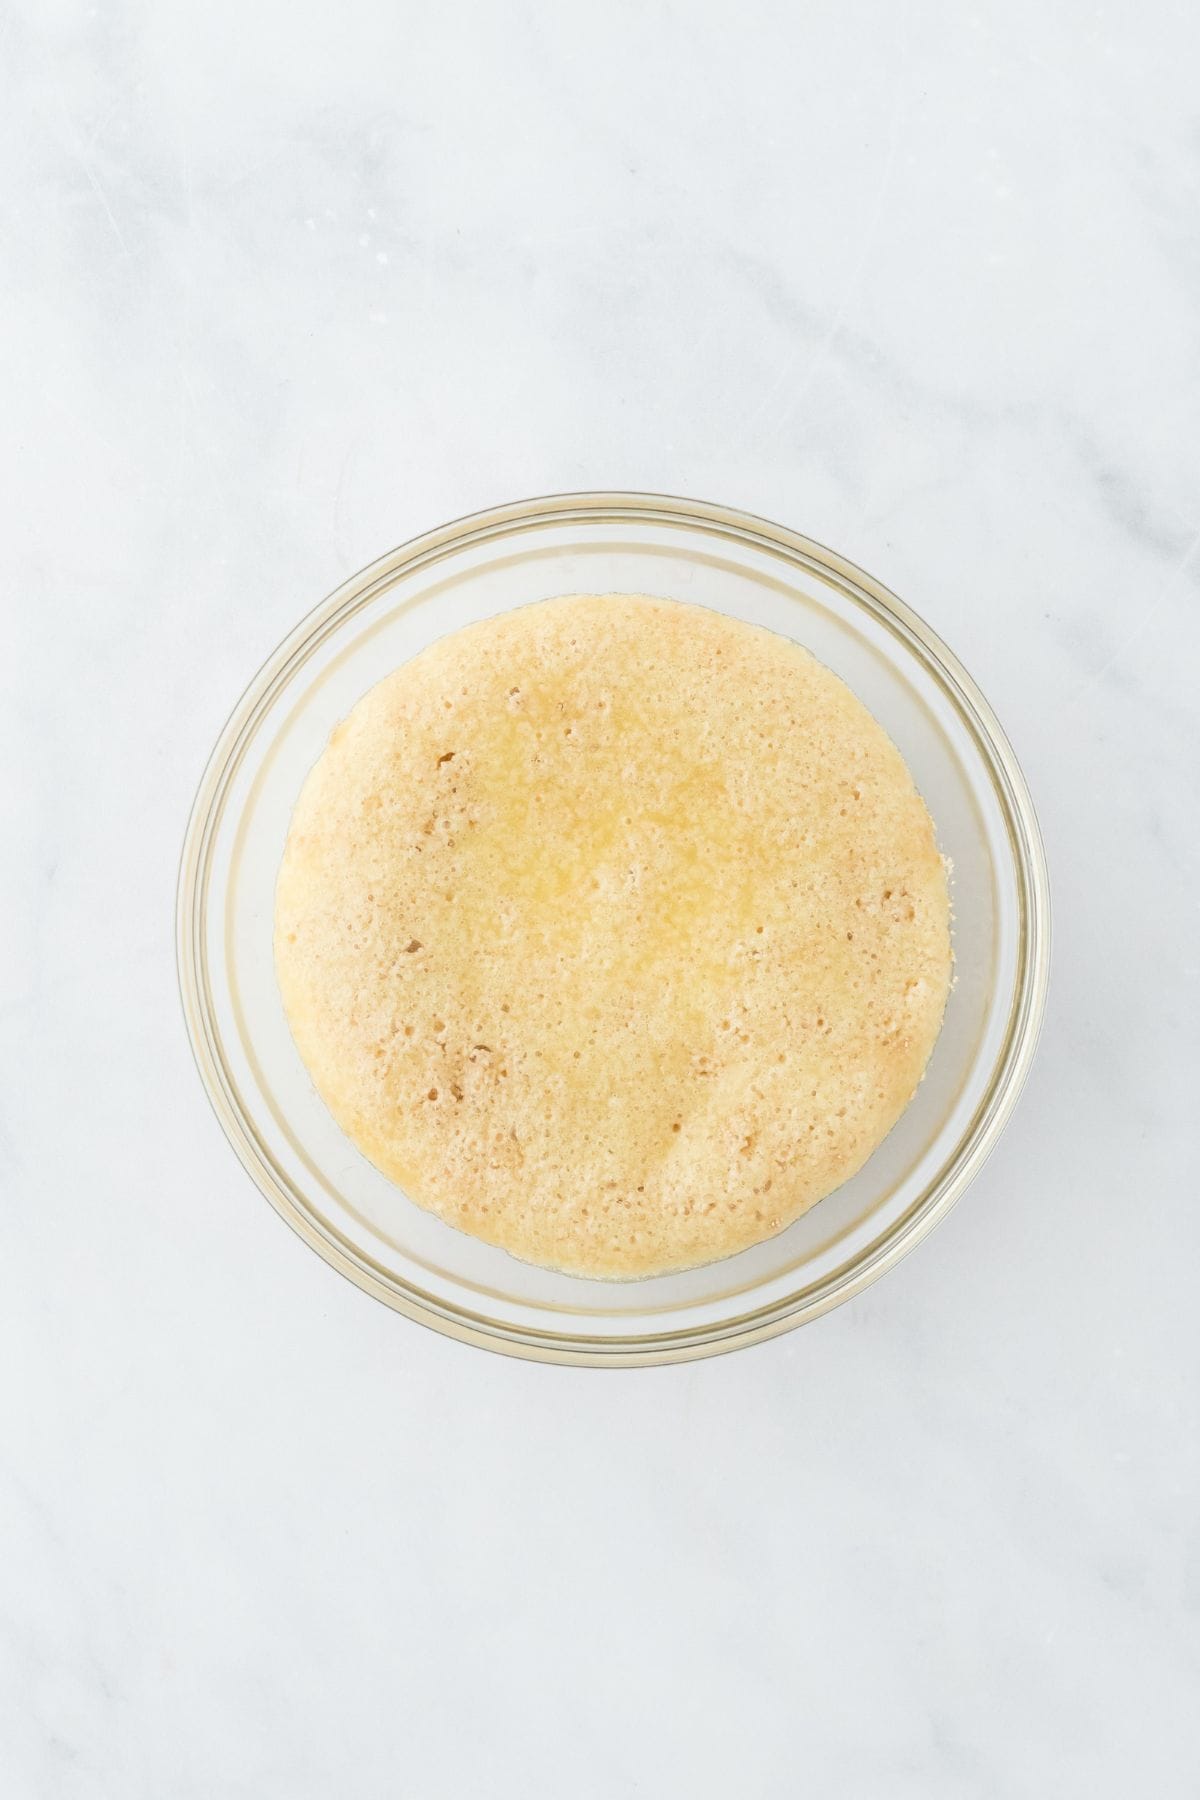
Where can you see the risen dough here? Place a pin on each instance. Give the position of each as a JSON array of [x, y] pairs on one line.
[[615, 931]]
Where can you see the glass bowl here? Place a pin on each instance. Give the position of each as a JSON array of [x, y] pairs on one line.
[[596, 543]]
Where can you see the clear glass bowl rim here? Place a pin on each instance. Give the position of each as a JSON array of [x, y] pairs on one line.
[[1024, 1024]]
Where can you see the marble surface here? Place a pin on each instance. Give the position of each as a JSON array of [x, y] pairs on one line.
[[284, 285]]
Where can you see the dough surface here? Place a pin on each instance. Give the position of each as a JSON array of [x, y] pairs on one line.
[[614, 930]]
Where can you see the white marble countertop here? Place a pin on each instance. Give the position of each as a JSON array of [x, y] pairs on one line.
[[286, 285]]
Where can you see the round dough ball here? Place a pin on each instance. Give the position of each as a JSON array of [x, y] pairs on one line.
[[615, 931]]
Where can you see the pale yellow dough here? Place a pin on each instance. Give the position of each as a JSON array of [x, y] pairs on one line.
[[615, 931]]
